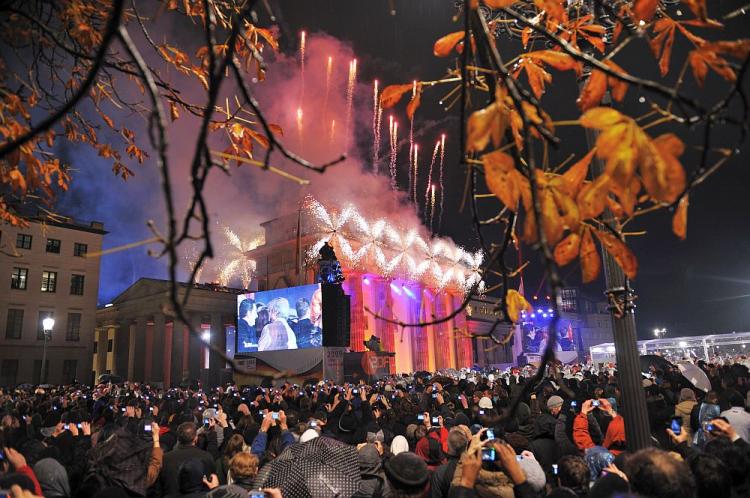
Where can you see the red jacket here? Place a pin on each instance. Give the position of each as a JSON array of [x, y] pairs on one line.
[[615, 434], [26, 470]]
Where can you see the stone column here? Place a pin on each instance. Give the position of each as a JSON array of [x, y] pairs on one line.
[[131, 350], [158, 339], [101, 350], [141, 344], [196, 347], [175, 370], [218, 340]]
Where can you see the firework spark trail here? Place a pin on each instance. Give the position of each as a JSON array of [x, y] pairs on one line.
[[302, 45], [442, 190], [432, 210], [393, 129], [416, 176], [376, 113], [299, 126], [332, 133], [429, 175], [350, 99], [329, 72], [191, 258]]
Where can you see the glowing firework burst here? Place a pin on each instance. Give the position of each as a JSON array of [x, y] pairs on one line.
[[238, 265], [380, 247]]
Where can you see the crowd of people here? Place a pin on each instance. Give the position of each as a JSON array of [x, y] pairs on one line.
[[447, 435]]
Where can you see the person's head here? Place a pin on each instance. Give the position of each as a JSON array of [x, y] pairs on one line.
[[554, 405], [243, 465], [687, 394], [278, 308], [303, 308], [407, 474], [316, 305], [190, 475], [187, 433], [235, 445], [247, 310], [658, 474], [573, 473], [263, 319], [457, 442], [736, 399], [712, 477]]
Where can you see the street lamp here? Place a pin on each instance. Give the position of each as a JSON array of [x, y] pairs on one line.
[[660, 332], [47, 325]]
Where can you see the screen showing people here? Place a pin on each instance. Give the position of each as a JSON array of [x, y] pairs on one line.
[[535, 337], [290, 318]]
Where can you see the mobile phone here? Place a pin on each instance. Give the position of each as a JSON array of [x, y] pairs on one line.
[[151, 409], [554, 468], [595, 403], [574, 404], [435, 420], [420, 417], [66, 427], [481, 412], [708, 426], [206, 423], [275, 415], [490, 434], [434, 395], [79, 426], [313, 423], [676, 425], [488, 454], [256, 493], [355, 391], [147, 428]]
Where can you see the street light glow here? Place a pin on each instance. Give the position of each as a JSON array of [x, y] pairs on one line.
[[48, 323], [206, 336]]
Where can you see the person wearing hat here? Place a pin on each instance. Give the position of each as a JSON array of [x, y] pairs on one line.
[[406, 475]]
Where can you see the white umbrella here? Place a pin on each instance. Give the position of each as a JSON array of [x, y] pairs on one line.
[[695, 375]]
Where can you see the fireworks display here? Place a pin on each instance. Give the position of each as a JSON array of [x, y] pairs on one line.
[[299, 125], [381, 247], [351, 83], [429, 178], [238, 264], [393, 131], [329, 72], [302, 43], [440, 176], [377, 113]]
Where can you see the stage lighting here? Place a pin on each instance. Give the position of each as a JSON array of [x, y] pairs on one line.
[[366, 281], [206, 336], [395, 288]]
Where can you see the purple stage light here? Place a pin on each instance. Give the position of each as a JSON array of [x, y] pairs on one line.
[[366, 281], [395, 288]]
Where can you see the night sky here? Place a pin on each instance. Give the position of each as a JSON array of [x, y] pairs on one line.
[[698, 286]]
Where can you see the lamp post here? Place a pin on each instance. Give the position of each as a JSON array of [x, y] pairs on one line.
[[47, 325]]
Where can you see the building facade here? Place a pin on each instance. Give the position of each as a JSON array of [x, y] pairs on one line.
[[138, 338], [49, 269]]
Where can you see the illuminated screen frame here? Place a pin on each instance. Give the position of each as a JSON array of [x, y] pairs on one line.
[[282, 327]]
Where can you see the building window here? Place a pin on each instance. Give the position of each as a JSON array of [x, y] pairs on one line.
[[53, 245], [69, 371], [73, 332], [80, 250], [9, 372], [40, 326], [19, 278], [14, 324], [109, 345], [76, 285], [23, 241], [49, 281]]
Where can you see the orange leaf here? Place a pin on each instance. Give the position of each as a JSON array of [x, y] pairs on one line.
[[502, 178], [567, 249], [276, 129], [601, 117], [622, 254], [576, 174], [619, 87], [537, 76], [552, 223], [556, 59], [591, 265], [593, 91], [17, 181], [515, 303], [663, 175], [568, 209], [592, 199], [679, 220], [698, 8], [174, 112], [553, 8], [392, 94], [413, 104], [484, 124], [525, 34], [644, 10], [499, 4], [447, 43], [661, 44]]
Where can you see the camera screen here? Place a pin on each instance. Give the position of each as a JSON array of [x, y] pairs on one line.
[[488, 454]]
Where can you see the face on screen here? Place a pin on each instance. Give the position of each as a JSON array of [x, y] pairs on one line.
[[280, 319]]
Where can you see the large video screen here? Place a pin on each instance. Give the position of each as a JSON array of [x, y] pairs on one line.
[[279, 319], [536, 335]]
